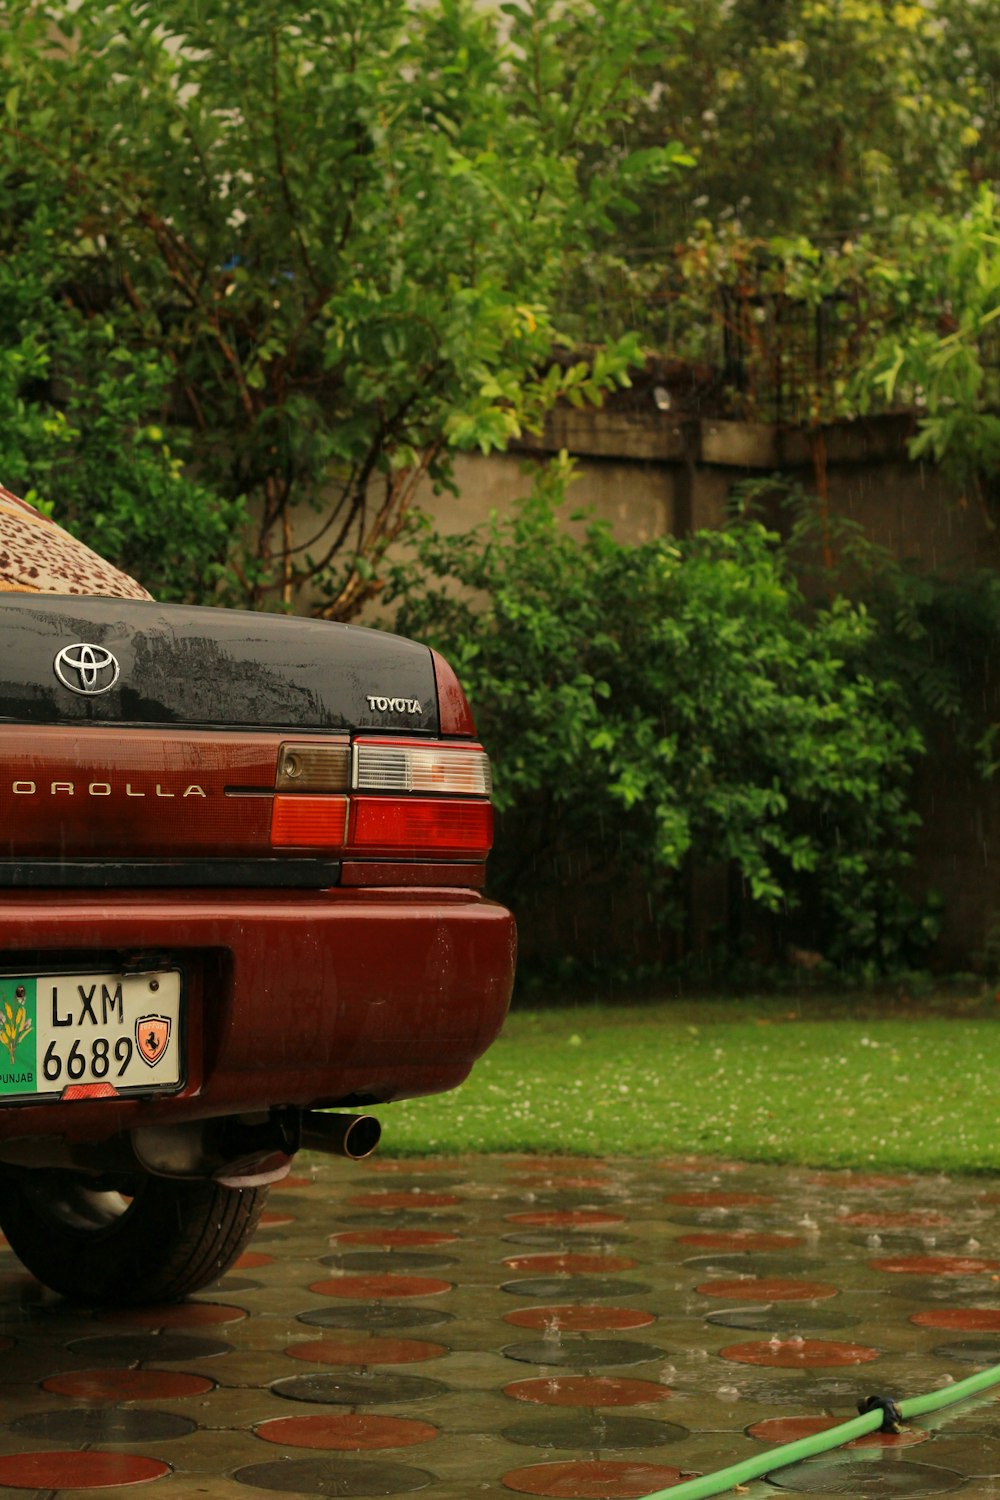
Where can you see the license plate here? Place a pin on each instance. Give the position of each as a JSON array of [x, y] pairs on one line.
[[91, 1034]]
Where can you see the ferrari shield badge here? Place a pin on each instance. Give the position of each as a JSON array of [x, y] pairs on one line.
[[152, 1033]]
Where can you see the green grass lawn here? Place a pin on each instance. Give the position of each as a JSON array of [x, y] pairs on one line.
[[825, 1083]]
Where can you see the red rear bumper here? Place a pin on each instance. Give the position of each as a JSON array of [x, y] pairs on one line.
[[293, 998]]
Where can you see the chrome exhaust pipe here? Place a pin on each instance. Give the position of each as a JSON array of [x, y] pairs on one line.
[[355, 1136]]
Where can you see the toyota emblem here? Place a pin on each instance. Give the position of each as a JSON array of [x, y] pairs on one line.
[[85, 668]]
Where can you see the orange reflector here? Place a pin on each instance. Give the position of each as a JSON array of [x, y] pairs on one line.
[[420, 825], [305, 822], [323, 767], [89, 1091]]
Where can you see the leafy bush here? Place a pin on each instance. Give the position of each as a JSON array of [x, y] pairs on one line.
[[81, 414], [657, 708]]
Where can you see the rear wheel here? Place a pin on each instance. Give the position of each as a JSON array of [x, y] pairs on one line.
[[148, 1239]]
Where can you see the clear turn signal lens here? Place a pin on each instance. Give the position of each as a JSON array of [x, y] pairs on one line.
[[445, 770]]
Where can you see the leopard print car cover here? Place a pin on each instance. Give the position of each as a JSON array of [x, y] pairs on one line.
[[39, 557]]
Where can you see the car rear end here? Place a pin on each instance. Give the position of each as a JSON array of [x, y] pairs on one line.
[[241, 863]]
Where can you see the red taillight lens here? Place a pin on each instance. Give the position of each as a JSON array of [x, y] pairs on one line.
[[419, 825], [304, 822]]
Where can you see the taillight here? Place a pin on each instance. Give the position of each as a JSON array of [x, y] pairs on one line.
[[309, 822], [405, 798], [420, 825]]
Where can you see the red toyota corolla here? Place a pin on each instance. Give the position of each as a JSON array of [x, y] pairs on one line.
[[241, 865]]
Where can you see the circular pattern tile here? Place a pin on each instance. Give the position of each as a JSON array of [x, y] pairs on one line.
[[173, 1315], [574, 1319], [411, 1198], [589, 1354], [970, 1351], [767, 1289], [230, 1284], [378, 1316], [561, 1181], [371, 1351], [89, 1424], [967, 1319], [725, 1218], [582, 1431], [866, 1182], [369, 1389], [717, 1198], [162, 1348], [751, 1265], [346, 1434], [426, 1168], [252, 1260], [587, 1390], [409, 1218], [395, 1239], [377, 1287], [935, 1265], [567, 1241], [790, 1429], [592, 1479], [564, 1200], [746, 1240], [567, 1218], [417, 1182], [960, 1290], [905, 1219], [328, 1476], [92, 1470], [976, 1455], [699, 1165], [785, 1318], [274, 1220], [823, 1477], [577, 1288], [127, 1385], [799, 1354], [891, 1241], [569, 1263], [389, 1261], [533, 1164]]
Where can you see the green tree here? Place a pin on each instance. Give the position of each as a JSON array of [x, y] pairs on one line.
[[78, 423], [814, 116], [940, 354], [326, 238], [804, 118]]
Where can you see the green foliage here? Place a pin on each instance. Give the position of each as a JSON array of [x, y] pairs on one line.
[[327, 238], [941, 355], [656, 707], [818, 117], [78, 413]]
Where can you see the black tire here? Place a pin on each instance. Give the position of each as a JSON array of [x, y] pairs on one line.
[[164, 1240]]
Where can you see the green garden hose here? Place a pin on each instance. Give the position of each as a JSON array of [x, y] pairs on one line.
[[821, 1442]]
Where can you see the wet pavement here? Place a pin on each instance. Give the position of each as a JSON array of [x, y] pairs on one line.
[[505, 1326]]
